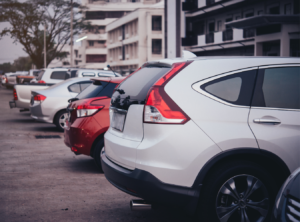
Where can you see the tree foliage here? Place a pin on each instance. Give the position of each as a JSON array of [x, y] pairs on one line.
[[19, 64], [27, 21]]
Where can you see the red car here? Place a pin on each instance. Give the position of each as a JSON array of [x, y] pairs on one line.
[[89, 118]]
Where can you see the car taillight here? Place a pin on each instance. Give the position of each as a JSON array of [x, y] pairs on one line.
[[41, 81], [15, 95], [159, 107], [39, 98], [6, 80], [90, 108]]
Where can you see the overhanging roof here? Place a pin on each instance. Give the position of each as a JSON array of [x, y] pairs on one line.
[[262, 20]]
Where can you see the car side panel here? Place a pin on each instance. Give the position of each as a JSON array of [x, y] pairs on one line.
[[226, 125]]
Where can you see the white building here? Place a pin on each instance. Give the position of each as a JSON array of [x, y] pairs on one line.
[[136, 38], [242, 27], [66, 62], [93, 51]]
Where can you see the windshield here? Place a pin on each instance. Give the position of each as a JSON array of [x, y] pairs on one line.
[[40, 75]]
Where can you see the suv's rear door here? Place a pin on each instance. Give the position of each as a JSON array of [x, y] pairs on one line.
[[275, 112]]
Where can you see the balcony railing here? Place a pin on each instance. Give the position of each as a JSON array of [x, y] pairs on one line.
[[210, 38], [189, 41], [248, 33], [228, 35]]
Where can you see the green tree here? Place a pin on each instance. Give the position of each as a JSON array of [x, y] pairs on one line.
[[27, 21]]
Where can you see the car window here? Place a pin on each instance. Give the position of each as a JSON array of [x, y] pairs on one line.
[[104, 74], [83, 86], [236, 88], [40, 75], [59, 75], [87, 74], [36, 73], [74, 88], [73, 73], [278, 88]]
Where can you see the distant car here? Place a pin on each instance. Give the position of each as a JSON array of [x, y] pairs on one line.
[[51, 75], [11, 78], [96, 73], [287, 203], [49, 105], [89, 118], [22, 79]]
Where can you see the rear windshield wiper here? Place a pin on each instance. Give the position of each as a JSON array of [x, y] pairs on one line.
[[72, 100], [121, 91]]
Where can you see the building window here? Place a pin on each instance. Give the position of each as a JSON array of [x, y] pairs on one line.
[[156, 46], [91, 43], [91, 15], [249, 13], [260, 12], [237, 17], [219, 26], [211, 26], [287, 9], [274, 10], [95, 58], [156, 23]]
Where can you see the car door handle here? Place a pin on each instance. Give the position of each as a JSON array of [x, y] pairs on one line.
[[265, 120]]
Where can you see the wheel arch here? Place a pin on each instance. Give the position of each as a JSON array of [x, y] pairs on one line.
[[268, 160], [99, 137], [64, 109]]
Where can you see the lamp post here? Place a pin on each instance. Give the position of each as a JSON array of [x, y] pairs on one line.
[[71, 53], [45, 50]]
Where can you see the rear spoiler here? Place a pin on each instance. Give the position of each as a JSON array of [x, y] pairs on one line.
[[108, 79]]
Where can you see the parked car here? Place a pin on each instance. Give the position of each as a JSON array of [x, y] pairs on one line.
[[96, 73], [11, 78], [51, 75], [216, 136], [89, 118], [22, 79], [49, 105], [287, 203]]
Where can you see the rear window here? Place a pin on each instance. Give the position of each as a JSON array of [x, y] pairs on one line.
[[59, 75], [73, 73], [138, 85], [88, 74], [40, 75], [97, 89]]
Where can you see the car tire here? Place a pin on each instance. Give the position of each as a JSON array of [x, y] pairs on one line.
[[97, 152], [60, 120], [218, 203]]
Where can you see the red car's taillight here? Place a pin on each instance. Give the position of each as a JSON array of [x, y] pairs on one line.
[[41, 81], [39, 98], [90, 107], [6, 80], [15, 95], [159, 107]]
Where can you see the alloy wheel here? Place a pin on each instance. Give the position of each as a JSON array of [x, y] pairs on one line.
[[62, 120], [242, 198]]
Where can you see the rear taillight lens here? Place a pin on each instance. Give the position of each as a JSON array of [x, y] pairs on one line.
[[90, 107], [41, 81], [159, 107], [6, 80], [15, 95], [39, 98]]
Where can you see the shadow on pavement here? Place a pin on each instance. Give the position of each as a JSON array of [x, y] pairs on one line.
[[49, 128], [84, 165]]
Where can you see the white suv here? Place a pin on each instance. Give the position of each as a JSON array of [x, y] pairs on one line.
[[217, 136]]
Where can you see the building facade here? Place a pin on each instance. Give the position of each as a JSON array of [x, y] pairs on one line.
[[93, 50], [66, 62], [136, 38], [242, 27]]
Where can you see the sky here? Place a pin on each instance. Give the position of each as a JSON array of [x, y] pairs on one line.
[[9, 50]]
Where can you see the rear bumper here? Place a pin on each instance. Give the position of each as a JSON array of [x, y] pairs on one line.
[[12, 104], [144, 185]]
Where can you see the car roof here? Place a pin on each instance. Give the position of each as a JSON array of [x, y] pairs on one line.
[[109, 79]]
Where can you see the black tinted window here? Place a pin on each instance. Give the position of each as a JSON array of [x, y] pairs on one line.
[[59, 75], [83, 86], [138, 85], [92, 91], [278, 88], [236, 88], [40, 75], [73, 73]]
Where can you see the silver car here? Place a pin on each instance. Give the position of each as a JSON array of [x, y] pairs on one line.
[[49, 105]]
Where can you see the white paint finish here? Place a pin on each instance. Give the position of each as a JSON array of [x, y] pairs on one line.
[[227, 126], [282, 139], [120, 150], [175, 153], [133, 128], [96, 51], [171, 29]]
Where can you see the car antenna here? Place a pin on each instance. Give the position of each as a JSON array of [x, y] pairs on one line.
[[108, 66]]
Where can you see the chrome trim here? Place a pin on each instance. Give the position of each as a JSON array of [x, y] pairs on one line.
[[273, 121], [272, 108], [294, 211], [295, 203], [281, 65], [196, 86]]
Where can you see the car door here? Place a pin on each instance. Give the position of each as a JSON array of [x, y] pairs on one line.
[[274, 115]]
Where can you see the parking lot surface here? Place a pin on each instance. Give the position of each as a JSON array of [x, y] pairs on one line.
[[42, 180]]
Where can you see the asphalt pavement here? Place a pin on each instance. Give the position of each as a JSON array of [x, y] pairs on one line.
[[42, 180]]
